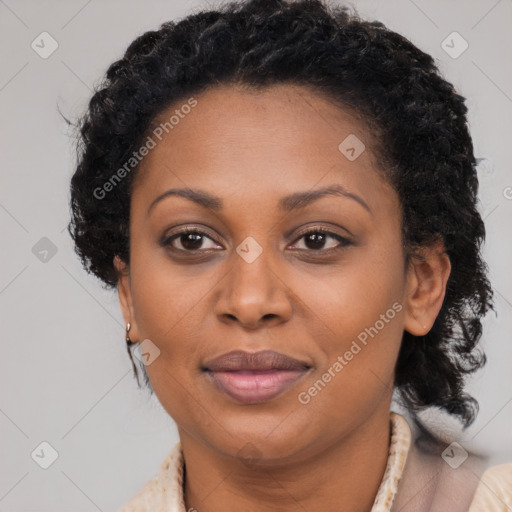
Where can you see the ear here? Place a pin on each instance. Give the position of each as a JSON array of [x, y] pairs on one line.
[[427, 275], [125, 296]]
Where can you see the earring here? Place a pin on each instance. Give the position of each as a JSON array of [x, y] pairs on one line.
[[129, 343], [128, 340]]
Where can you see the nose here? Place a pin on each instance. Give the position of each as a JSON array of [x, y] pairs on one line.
[[253, 295]]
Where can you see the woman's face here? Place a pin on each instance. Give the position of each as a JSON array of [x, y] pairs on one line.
[[255, 280]]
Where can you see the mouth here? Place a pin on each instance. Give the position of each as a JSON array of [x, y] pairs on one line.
[[254, 377]]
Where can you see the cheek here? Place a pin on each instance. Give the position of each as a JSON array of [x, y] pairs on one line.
[[353, 295], [357, 315], [167, 312], [165, 295], [169, 306], [357, 354]]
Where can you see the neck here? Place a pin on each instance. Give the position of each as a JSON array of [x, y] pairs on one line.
[[346, 474]]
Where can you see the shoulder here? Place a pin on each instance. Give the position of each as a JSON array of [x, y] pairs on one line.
[[163, 492], [494, 492]]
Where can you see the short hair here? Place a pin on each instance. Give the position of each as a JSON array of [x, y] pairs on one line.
[[416, 117]]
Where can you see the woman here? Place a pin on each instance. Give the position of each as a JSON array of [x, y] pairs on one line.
[[284, 196]]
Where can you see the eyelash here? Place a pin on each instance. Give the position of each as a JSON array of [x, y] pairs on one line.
[[167, 241]]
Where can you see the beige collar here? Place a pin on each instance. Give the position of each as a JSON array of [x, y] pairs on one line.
[[398, 450]]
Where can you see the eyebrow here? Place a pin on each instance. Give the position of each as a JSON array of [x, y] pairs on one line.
[[289, 203]]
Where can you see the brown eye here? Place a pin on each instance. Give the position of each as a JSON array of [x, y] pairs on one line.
[[318, 240], [189, 241]]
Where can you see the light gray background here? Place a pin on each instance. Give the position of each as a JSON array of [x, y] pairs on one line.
[[65, 374]]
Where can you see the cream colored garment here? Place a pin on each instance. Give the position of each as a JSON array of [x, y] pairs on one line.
[[412, 482]]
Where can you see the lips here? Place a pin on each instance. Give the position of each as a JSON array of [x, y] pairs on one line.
[[264, 360], [254, 377]]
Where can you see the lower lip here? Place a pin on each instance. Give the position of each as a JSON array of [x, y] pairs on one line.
[[255, 386]]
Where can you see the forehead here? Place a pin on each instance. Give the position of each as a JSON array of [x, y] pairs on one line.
[[258, 144]]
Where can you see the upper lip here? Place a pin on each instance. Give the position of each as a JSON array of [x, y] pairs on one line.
[[264, 360]]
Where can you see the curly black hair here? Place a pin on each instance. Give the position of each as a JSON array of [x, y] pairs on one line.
[[414, 114]]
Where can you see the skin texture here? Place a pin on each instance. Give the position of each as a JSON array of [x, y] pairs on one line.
[[250, 149]]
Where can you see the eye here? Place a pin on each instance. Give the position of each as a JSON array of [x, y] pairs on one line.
[[317, 240], [190, 240]]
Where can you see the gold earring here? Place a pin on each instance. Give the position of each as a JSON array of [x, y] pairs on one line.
[[128, 340], [129, 343]]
